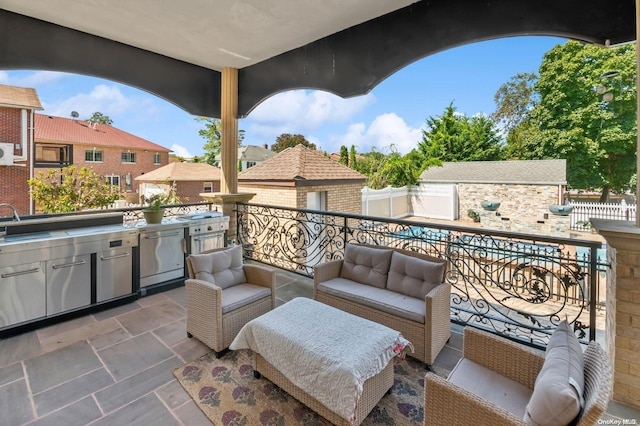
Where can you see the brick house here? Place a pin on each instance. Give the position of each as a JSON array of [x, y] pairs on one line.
[[58, 142], [299, 177], [191, 179], [109, 151], [17, 111]]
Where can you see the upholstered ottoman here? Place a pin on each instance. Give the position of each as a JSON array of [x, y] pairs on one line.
[[336, 363]]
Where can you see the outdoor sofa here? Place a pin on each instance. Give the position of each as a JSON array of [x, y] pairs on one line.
[[401, 289]]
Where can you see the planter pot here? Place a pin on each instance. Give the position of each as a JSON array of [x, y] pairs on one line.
[[490, 205], [153, 216], [560, 210]]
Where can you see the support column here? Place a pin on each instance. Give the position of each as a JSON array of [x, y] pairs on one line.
[[229, 129], [622, 330], [637, 106]]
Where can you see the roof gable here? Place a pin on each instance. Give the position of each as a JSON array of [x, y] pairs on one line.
[[180, 172], [66, 130], [19, 97], [300, 163], [550, 172]]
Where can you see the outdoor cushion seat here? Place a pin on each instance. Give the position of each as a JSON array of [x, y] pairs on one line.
[[377, 298], [501, 382], [223, 294], [403, 290]]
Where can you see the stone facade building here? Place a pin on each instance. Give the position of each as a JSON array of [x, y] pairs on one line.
[[524, 189]]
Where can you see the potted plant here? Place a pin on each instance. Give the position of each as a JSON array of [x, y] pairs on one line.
[[154, 204], [473, 215]]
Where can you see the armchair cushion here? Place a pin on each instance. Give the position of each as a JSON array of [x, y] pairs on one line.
[[557, 394], [222, 268], [366, 265], [412, 276], [492, 386], [240, 295]]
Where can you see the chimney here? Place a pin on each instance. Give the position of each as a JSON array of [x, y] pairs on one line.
[[266, 146]]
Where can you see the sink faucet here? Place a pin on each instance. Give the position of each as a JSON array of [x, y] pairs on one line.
[[15, 213]]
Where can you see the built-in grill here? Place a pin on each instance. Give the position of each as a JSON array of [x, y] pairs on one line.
[[206, 231]]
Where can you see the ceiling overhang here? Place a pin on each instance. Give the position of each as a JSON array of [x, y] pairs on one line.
[[367, 47]]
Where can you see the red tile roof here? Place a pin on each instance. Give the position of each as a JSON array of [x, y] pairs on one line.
[[300, 163], [69, 130], [19, 97]]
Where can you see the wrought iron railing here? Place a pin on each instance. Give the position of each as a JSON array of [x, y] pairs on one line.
[[517, 285]]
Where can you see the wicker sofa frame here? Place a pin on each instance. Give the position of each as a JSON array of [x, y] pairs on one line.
[[373, 390], [447, 403], [205, 319], [428, 338]]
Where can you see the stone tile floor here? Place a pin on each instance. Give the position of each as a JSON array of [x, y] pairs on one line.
[[115, 367]]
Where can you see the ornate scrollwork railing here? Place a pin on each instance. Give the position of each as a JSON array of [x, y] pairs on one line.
[[518, 285]]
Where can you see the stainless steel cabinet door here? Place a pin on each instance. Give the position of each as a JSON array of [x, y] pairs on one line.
[[113, 273], [68, 283], [22, 293], [161, 252]]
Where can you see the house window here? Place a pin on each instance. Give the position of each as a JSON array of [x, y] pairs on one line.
[[156, 158], [53, 155], [207, 187], [114, 182], [250, 164], [128, 157], [93, 156]]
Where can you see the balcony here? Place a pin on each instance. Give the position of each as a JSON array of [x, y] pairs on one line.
[[115, 366]]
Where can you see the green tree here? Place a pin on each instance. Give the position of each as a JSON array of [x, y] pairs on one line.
[[99, 117], [71, 189], [344, 156], [455, 137], [212, 134], [515, 100], [576, 120], [287, 140], [353, 162]]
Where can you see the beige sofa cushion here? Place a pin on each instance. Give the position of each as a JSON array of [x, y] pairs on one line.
[[240, 295], [412, 276], [557, 394], [222, 268], [366, 265], [379, 299], [494, 387]]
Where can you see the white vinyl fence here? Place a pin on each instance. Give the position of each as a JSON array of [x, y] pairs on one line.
[[582, 212]]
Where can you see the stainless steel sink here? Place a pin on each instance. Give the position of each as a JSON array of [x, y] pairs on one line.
[[29, 236]]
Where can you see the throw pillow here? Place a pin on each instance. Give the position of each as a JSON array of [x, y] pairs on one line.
[[412, 276], [222, 268], [366, 265], [557, 394]]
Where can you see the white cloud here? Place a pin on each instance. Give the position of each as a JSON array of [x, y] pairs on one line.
[[37, 78], [106, 99], [180, 151], [301, 111], [385, 130]]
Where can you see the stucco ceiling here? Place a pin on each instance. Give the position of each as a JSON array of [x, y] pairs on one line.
[[176, 49], [210, 33]]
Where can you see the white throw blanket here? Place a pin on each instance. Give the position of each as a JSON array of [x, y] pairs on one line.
[[324, 351]]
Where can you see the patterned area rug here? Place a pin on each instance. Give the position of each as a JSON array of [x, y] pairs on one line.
[[228, 394]]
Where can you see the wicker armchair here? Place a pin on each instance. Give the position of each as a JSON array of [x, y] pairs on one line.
[[217, 311], [447, 403]]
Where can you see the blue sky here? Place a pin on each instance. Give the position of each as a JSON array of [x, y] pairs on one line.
[[393, 113]]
